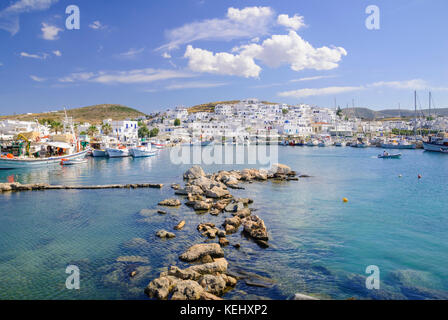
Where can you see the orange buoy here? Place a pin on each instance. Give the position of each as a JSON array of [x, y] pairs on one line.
[[344, 199], [10, 156]]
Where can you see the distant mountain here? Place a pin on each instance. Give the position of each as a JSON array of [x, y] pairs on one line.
[[368, 114], [92, 114]]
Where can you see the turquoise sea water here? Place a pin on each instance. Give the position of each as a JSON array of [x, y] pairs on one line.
[[319, 245]]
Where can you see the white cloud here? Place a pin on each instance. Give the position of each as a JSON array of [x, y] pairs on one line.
[[221, 63], [37, 79], [166, 55], [57, 53], [33, 56], [293, 50], [50, 32], [295, 23], [238, 23], [130, 76], [311, 78], [96, 25], [131, 53], [303, 93], [195, 85], [9, 17], [414, 84], [79, 76], [278, 50]]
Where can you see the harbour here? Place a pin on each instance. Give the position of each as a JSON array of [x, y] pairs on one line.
[[321, 245]]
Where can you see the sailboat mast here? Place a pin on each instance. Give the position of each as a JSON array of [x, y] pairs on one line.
[[415, 113], [429, 104]]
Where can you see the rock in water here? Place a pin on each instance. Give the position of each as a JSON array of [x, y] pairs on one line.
[[217, 192], [165, 234], [255, 228], [198, 251], [194, 172], [161, 287], [299, 296], [180, 225], [187, 290], [278, 168], [170, 202]]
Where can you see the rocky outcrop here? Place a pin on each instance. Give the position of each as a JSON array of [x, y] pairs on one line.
[[217, 192], [255, 228], [231, 225], [194, 172], [208, 230], [198, 251], [172, 202]]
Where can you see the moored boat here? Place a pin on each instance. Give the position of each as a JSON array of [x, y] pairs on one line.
[[27, 162], [142, 151], [118, 152]]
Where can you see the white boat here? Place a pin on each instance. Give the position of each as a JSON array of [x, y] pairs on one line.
[[70, 162], [99, 153], [142, 151], [26, 162], [158, 145], [118, 152], [312, 143]]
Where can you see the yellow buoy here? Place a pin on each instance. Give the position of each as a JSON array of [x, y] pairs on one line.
[[344, 199]]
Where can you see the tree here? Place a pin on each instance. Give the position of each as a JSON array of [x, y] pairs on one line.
[[92, 131], [177, 122], [56, 126], [285, 111], [339, 112], [143, 132], [154, 132], [106, 128]]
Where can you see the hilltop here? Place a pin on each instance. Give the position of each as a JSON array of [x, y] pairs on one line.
[[92, 114]]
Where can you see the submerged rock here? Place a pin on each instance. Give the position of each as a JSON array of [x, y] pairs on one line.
[[165, 234], [133, 259], [300, 296], [180, 225], [170, 202]]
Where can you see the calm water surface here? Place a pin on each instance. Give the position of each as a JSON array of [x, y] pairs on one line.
[[319, 245]]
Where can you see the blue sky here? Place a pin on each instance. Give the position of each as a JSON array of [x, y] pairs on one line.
[[153, 55]]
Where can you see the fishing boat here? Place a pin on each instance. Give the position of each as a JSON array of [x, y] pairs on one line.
[[142, 151], [70, 162], [444, 150], [389, 156], [11, 162], [157, 144], [28, 154], [400, 144], [436, 143], [312, 143], [118, 152]]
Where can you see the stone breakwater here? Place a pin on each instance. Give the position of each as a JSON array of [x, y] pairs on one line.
[[208, 278], [16, 186]]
